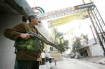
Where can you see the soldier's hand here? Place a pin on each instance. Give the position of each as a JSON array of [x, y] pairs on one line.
[[25, 36]]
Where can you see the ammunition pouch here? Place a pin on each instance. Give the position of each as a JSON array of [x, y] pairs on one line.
[[27, 44], [24, 44]]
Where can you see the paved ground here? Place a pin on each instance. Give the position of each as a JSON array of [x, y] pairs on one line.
[[68, 63], [98, 60]]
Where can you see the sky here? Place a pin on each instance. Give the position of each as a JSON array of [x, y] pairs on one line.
[[51, 5]]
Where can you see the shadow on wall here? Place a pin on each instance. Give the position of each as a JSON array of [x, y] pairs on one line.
[[7, 56]]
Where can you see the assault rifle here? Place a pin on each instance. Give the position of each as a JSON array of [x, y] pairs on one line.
[[43, 39]]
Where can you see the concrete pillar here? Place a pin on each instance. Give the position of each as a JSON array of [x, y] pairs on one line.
[[51, 62], [47, 57], [7, 56], [43, 65]]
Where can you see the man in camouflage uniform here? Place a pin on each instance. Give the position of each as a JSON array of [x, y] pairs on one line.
[[27, 56]]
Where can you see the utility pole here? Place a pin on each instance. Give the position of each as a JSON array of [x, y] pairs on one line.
[[93, 34], [97, 19], [95, 24]]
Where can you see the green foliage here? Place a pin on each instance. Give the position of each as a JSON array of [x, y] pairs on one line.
[[51, 48], [76, 44], [85, 37], [62, 45], [57, 34]]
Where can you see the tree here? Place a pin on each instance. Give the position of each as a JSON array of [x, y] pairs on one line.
[[84, 37], [76, 41], [76, 44], [62, 44]]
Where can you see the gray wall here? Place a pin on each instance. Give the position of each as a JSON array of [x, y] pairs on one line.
[[7, 56]]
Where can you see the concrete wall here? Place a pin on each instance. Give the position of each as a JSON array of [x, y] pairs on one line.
[[95, 48], [7, 56]]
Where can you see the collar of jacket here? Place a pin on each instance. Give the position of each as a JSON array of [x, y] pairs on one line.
[[31, 25]]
